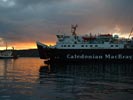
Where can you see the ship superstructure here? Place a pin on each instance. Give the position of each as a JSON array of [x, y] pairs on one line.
[[100, 41]]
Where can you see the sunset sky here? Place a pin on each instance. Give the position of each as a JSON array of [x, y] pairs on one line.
[[23, 22]]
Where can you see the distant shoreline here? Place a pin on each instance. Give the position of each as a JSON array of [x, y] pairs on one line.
[[26, 53]]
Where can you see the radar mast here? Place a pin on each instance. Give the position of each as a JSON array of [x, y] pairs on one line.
[[73, 29]]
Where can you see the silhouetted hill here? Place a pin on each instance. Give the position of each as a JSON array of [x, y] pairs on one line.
[[27, 53]]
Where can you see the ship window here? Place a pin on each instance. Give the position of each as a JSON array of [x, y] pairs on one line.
[[111, 45], [96, 45], [86, 45], [61, 45], [73, 45], [82, 45], [68, 45], [116, 45], [64, 45], [91, 45]]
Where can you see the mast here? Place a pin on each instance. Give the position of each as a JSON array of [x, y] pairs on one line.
[[73, 29], [130, 33], [6, 45]]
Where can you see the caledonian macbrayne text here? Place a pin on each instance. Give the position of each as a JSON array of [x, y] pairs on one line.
[[94, 56]]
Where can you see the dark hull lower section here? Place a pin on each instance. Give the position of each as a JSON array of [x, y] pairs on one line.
[[85, 55], [6, 57]]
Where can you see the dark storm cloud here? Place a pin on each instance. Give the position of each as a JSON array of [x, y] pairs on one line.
[[31, 20], [34, 2]]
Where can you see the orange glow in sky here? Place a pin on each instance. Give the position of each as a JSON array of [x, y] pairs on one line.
[[19, 46], [122, 35]]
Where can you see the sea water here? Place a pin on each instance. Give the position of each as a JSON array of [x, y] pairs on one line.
[[32, 79]]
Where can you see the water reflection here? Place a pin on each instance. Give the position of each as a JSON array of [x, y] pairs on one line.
[[31, 79], [18, 78], [94, 81], [92, 71]]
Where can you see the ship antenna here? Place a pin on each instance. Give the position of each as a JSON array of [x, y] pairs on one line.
[[73, 29], [6, 45], [130, 33]]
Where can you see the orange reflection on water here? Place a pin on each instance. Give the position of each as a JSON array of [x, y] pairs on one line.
[[4, 63], [21, 69], [19, 75], [2, 68]]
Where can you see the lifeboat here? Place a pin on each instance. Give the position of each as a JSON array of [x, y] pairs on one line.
[[106, 35], [87, 38]]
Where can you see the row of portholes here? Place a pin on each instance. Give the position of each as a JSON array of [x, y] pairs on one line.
[[87, 45], [81, 45]]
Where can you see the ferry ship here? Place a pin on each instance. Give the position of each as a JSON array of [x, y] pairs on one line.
[[88, 47]]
